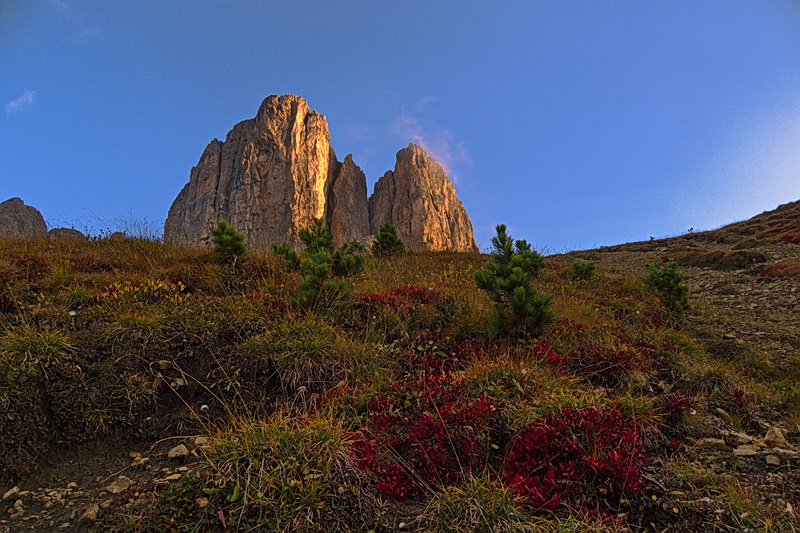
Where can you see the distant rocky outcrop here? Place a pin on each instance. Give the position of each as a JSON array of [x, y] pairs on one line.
[[20, 220], [276, 172], [66, 233], [420, 200]]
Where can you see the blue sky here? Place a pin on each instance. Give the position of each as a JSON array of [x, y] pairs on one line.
[[576, 123]]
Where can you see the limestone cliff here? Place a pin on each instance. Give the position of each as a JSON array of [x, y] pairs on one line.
[[275, 172], [420, 200], [268, 178]]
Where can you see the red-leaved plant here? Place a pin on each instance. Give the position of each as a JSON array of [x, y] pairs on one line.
[[405, 298], [604, 364], [424, 434], [582, 456]]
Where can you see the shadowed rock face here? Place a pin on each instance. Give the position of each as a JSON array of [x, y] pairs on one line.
[[276, 172], [20, 220], [420, 200], [347, 204]]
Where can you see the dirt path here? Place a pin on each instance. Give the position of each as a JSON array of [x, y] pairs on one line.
[[72, 488]]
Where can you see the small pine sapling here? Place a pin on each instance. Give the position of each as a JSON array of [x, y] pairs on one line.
[[285, 250], [228, 243], [348, 259], [318, 283], [519, 308], [582, 269], [320, 263], [317, 237], [386, 242], [666, 282]]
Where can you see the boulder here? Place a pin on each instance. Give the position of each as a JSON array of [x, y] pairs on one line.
[[20, 220], [66, 233]]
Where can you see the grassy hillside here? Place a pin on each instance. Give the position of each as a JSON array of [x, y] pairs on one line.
[[395, 407]]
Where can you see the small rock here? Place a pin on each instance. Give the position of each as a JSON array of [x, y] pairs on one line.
[[773, 460], [90, 514], [201, 441], [10, 493], [710, 441], [120, 484], [745, 450], [140, 461], [178, 452], [783, 451], [742, 437], [775, 437], [72, 485]]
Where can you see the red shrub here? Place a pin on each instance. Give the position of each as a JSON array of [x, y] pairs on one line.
[[435, 352], [406, 297], [784, 269], [544, 351], [603, 364], [580, 456], [673, 406], [425, 433], [791, 238], [270, 301], [743, 401]]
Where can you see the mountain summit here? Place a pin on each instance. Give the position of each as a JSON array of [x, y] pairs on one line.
[[276, 172]]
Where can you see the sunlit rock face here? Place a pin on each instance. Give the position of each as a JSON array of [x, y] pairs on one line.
[[267, 179], [276, 172], [420, 200]]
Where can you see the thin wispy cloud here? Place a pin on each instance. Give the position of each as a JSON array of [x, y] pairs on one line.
[[18, 104], [438, 141], [75, 16]]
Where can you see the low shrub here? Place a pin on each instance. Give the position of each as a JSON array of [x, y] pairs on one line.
[[386, 242], [791, 238], [588, 457], [582, 269], [785, 269], [667, 282], [519, 309], [424, 434], [228, 243], [603, 363]]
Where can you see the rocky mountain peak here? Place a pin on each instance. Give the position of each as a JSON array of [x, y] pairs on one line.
[[275, 172], [420, 200]]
